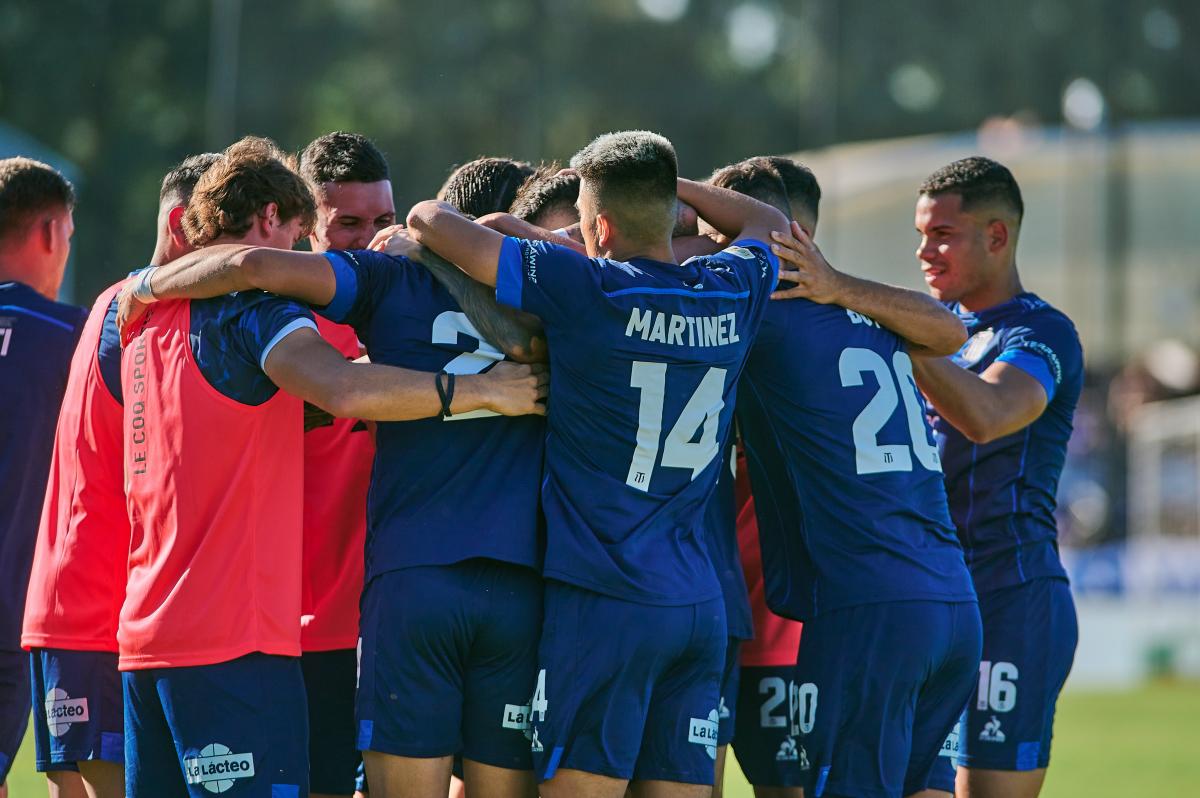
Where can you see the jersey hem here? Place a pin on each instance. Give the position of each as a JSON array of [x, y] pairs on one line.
[[145, 661], [955, 598], [606, 590], [30, 642]]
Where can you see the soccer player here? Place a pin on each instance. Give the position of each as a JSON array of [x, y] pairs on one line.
[[37, 337], [1003, 408], [77, 582], [209, 633], [644, 357], [547, 199], [759, 696], [353, 191], [855, 534], [485, 185]]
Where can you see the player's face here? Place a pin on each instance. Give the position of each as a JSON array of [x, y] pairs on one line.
[[953, 250], [284, 235], [350, 214]]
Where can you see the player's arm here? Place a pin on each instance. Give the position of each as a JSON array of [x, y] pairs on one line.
[[730, 213], [997, 402], [225, 268], [920, 319], [690, 246], [471, 247], [305, 365], [510, 225]]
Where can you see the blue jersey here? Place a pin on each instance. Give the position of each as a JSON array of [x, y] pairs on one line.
[[1003, 493], [847, 480], [37, 340], [442, 490], [232, 335], [720, 531], [644, 360]]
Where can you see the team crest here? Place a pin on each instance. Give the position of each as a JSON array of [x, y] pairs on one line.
[[975, 346]]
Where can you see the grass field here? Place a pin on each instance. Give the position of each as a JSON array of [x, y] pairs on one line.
[[1106, 745]]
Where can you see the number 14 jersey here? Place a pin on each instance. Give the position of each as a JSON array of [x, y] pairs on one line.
[[847, 480], [644, 362]]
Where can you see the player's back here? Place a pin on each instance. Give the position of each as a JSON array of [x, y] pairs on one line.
[[37, 339], [645, 358], [847, 481]]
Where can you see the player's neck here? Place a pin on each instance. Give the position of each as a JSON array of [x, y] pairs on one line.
[[993, 293], [661, 252], [14, 267]]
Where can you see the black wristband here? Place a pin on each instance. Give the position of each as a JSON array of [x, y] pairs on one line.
[[445, 394]]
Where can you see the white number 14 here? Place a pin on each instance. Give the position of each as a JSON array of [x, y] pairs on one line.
[[703, 409]]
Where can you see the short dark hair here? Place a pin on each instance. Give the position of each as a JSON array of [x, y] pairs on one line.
[[629, 173], [341, 157], [28, 187], [757, 178], [249, 174], [179, 183], [485, 185], [545, 191], [979, 181], [803, 190]]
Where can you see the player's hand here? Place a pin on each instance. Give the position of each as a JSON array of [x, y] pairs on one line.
[[129, 310], [518, 389], [800, 262], [395, 240]]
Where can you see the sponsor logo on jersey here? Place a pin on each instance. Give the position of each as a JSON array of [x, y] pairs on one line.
[[703, 731], [991, 731], [516, 717], [216, 768], [669, 328], [740, 252], [975, 346], [62, 711], [950, 744]]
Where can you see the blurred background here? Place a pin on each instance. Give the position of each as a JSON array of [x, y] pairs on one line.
[[1094, 105]]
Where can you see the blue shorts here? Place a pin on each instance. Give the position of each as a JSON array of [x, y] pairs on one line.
[[879, 688], [14, 706], [727, 705], [333, 759], [765, 741], [627, 690], [449, 656], [79, 711], [239, 726], [1029, 637]]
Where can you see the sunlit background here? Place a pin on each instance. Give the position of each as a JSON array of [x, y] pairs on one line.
[[1094, 104]]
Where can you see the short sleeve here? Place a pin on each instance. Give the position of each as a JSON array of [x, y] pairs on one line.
[[755, 264], [548, 280], [362, 277], [264, 324], [1045, 349]]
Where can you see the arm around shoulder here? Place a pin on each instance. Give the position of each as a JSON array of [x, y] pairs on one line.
[[983, 407]]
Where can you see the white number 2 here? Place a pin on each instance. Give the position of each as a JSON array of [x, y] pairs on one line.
[[446, 328], [870, 456], [703, 409]]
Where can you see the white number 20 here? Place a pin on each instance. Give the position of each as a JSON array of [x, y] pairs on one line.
[[870, 456], [446, 328], [703, 409]]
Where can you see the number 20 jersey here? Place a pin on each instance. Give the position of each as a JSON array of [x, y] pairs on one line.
[[847, 479], [644, 362]]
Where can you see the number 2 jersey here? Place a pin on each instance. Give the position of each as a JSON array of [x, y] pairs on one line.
[[847, 481], [442, 490], [1003, 493], [644, 362]]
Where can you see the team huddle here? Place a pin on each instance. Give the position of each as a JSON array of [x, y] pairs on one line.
[[561, 486]]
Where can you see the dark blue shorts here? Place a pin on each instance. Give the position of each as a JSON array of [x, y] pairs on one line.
[[449, 656], [239, 726], [1029, 637], [14, 706], [766, 740], [628, 690], [879, 688], [727, 705], [79, 711], [333, 759]]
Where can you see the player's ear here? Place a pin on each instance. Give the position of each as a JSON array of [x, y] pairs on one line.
[[997, 235], [604, 231], [175, 227], [268, 218]]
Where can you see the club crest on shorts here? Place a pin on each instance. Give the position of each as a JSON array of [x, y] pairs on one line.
[[703, 731], [216, 768], [62, 711]]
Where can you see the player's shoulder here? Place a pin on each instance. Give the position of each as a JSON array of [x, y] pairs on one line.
[[21, 299], [1034, 316]]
